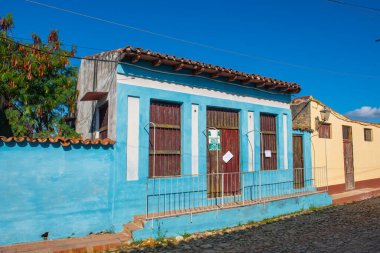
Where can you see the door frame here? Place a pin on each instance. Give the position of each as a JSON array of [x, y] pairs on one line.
[[348, 185], [301, 184], [218, 179]]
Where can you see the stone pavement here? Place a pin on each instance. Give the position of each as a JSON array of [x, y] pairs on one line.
[[333, 229], [345, 228]]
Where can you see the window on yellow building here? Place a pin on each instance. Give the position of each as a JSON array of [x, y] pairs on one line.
[[367, 134], [324, 131]]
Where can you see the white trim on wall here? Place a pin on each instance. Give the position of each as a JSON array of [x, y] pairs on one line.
[[285, 134], [133, 119], [194, 139], [251, 143], [147, 83]]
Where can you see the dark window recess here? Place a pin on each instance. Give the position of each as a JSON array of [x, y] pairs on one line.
[[367, 134], [165, 148], [347, 134], [103, 121], [268, 142], [324, 131]]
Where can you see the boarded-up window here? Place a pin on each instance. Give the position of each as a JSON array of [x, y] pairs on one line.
[[367, 134], [268, 142], [222, 118], [103, 121], [165, 139], [324, 131]]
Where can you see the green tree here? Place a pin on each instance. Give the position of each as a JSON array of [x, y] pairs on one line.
[[37, 84]]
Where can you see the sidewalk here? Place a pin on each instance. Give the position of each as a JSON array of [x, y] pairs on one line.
[[88, 244], [355, 195]]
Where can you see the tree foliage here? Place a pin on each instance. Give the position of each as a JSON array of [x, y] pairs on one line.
[[37, 84]]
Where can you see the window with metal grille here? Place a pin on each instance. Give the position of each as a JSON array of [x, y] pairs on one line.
[[367, 134], [268, 142], [164, 139], [324, 130], [103, 121]]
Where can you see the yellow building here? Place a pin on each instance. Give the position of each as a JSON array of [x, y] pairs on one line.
[[350, 149]]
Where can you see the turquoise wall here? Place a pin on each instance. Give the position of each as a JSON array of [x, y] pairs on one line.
[[180, 225], [80, 189], [127, 192], [46, 187]]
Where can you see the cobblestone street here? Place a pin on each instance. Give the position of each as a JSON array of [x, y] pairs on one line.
[[347, 228]]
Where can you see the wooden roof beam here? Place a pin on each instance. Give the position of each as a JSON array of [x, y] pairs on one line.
[[285, 88], [215, 75], [247, 81], [262, 84], [156, 63], [232, 78], [136, 58], [178, 67], [198, 71], [274, 86]]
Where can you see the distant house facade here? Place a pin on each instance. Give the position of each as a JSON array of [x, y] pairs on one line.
[[350, 149]]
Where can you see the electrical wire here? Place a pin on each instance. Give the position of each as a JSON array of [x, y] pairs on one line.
[[354, 5], [63, 44], [137, 66], [255, 57]]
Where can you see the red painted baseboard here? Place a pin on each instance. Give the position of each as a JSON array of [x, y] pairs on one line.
[[370, 183]]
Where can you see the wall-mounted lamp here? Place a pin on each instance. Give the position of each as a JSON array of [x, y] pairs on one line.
[[325, 114]]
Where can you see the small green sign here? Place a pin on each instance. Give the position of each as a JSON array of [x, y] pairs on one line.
[[213, 146], [213, 139]]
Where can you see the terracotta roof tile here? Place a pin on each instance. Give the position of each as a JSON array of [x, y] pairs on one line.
[[61, 140], [205, 68]]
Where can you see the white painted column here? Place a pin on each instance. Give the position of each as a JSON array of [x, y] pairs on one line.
[[251, 143], [194, 139], [133, 119], [285, 129]]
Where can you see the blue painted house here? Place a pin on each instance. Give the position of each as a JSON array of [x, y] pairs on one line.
[[197, 147]]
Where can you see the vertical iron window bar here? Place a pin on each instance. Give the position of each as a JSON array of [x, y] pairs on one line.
[[268, 136], [165, 143]]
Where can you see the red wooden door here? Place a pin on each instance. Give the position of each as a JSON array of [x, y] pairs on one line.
[[231, 176], [348, 157], [224, 176], [298, 164]]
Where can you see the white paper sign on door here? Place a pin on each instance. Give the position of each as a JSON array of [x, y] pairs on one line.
[[268, 153], [227, 156]]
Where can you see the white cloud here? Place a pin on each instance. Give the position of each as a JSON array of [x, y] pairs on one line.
[[365, 112]]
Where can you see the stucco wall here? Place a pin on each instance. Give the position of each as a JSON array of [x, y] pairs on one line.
[[48, 188], [181, 225], [366, 154], [98, 76]]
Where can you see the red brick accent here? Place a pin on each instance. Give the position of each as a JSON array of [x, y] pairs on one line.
[[370, 183], [357, 197]]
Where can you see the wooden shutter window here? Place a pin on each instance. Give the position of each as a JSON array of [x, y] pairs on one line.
[[367, 134], [103, 121], [347, 133], [324, 131], [268, 141], [165, 155]]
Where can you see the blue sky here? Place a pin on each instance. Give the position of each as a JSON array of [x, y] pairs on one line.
[[327, 48]]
